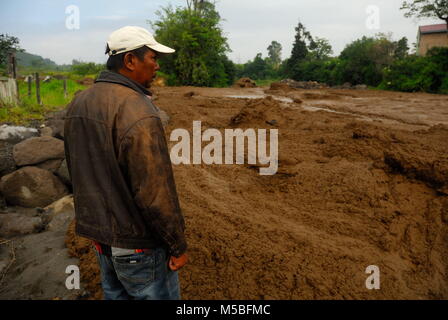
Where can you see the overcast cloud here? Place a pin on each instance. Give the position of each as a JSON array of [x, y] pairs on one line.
[[250, 25]]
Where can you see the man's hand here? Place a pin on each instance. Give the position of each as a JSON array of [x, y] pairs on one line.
[[177, 263]]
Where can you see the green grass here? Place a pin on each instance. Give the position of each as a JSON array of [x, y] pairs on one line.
[[52, 97]]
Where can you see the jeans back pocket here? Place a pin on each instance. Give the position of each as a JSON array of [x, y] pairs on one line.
[[135, 270]]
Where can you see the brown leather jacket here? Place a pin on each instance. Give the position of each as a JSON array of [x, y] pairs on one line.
[[123, 185]]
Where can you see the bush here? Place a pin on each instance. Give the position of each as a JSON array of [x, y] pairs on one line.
[[324, 71], [413, 73]]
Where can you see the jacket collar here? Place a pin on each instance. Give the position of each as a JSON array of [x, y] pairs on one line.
[[114, 77]]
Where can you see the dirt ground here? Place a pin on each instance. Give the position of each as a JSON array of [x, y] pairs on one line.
[[362, 180]]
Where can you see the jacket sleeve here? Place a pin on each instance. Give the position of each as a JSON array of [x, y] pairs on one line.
[[144, 153]]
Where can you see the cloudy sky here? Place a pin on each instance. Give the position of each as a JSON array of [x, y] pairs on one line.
[[249, 25]]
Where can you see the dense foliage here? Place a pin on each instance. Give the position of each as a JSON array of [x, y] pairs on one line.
[[413, 73], [200, 58]]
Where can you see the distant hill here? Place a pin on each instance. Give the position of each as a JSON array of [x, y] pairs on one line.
[[25, 59]]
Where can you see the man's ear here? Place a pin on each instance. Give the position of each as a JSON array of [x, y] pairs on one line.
[[129, 61]]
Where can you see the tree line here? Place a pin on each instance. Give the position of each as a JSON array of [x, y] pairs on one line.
[[201, 54], [379, 61]]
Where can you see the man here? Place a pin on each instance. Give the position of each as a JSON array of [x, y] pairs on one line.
[[123, 185]]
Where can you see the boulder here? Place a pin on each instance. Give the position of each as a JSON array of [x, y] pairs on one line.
[[7, 163], [57, 126], [61, 221], [60, 213], [37, 150], [57, 115], [55, 121], [50, 165], [15, 224], [46, 132], [31, 187], [63, 173], [61, 205], [16, 134]]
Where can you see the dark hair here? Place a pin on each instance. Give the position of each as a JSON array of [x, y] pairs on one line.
[[115, 63]]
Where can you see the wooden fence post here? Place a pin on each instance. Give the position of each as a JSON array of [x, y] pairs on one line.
[[14, 74], [38, 89], [65, 87], [12, 71], [30, 79]]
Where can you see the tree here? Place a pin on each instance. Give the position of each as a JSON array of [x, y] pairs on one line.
[[8, 45], [321, 49], [303, 41], [194, 32], [402, 48], [275, 54], [426, 9]]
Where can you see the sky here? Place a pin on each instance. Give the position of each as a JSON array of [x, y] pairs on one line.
[[249, 25]]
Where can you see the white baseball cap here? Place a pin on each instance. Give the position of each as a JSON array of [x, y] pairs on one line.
[[130, 38]]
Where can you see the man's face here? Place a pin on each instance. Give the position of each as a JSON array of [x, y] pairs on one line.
[[145, 71]]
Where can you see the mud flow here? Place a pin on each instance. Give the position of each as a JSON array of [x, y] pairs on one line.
[[362, 180]]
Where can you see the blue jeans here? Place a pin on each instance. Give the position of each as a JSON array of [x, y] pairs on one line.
[[140, 276]]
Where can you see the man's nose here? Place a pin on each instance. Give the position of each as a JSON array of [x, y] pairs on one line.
[[157, 66]]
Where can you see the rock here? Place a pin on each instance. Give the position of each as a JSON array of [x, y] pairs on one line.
[[55, 121], [15, 134], [31, 187], [60, 213], [37, 150], [347, 85], [50, 165], [14, 224], [46, 132], [245, 83], [57, 126], [361, 87], [61, 205], [57, 115], [63, 173], [61, 221], [7, 163]]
